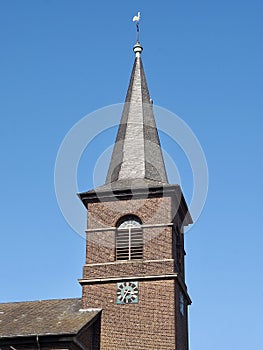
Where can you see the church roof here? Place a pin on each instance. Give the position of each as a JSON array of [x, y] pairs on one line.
[[137, 153], [43, 317]]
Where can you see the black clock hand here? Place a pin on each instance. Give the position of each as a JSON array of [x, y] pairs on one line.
[[125, 294]]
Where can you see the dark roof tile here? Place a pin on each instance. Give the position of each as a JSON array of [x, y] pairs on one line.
[[137, 152], [43, 317]]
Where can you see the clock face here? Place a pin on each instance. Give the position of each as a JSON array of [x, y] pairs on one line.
[[181, 303], [127, 293]]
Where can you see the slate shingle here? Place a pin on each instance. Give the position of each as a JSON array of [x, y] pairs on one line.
[[44, 317], [137, 152]]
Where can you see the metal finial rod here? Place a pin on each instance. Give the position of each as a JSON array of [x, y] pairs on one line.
[[137, 19], [137, 32]]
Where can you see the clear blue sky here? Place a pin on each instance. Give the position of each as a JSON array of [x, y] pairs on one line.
[[61, 60]]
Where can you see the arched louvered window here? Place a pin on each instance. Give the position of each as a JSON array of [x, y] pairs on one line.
[[129, 238]]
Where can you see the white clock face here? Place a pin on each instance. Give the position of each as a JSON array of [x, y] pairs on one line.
[[127, 293]]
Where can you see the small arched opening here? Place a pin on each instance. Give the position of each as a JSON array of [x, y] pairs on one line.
[[129, 238]]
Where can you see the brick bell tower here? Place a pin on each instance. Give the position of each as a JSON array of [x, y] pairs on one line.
[[134, 268]]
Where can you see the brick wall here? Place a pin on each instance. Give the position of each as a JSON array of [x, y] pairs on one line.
[[150, 210], [150, 324], [157, 245], [155, 322], [101, 244], [128, 268]]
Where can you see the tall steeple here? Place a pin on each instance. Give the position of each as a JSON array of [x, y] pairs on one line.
[[137, 156], [134, 268]]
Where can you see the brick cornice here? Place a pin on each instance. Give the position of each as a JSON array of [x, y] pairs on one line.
[[127, 278]]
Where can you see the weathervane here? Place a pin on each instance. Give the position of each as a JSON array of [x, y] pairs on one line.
[[136, 19]]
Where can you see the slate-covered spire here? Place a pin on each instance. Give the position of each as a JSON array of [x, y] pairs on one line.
[[137, 155]]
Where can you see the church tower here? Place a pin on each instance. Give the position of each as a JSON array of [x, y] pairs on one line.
[[134, 269]]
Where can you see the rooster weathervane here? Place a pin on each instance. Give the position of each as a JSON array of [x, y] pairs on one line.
[[137, 19]]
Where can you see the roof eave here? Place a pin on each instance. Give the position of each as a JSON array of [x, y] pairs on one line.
[[95, 196]]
